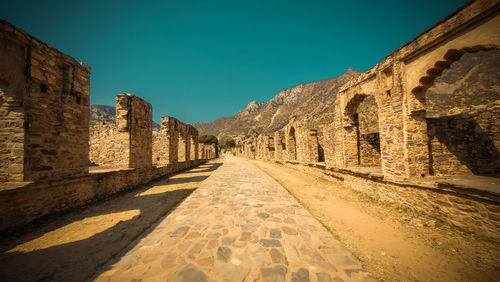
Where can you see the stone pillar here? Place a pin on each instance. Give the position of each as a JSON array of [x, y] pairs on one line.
[[351, 134], [291, 143], [278, 148], [411, 130], [312, 145], [13, 90], [188, 146], [194, 145], [201, 151], [134, 127], [271, 148], [167, 152], [182, 147]]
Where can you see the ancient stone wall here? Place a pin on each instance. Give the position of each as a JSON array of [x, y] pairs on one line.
[[208, 151], [290, 143], [466, 142], [134, 131], [473, 210], [312, 145], [174, 142], [127, 142], [381, 137], [102, 145], [44, 135], [279, 145], [44, 104], [369, 149]]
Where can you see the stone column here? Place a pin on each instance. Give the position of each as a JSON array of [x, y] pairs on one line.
[[134, 137], [312, 145]]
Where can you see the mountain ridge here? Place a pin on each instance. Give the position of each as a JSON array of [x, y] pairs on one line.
[[309, 101]]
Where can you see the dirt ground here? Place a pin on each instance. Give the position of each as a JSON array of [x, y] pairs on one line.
[[394, 244], [71, 247]]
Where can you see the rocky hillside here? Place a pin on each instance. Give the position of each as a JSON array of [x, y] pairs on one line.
[[102, 114], [473, 80], [312, 102]]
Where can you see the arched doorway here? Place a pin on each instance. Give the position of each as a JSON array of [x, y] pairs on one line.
[[362, 138], [462, 113]]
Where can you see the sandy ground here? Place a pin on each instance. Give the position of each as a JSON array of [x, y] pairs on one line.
[[394, 244], [72, 246]]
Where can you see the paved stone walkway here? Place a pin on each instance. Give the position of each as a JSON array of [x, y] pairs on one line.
[[239, 225]]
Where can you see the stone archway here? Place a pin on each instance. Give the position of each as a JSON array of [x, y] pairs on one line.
[[449, 141], [361, 132]]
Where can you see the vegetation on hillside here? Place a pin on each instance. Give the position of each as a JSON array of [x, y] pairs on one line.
[[208, 139]]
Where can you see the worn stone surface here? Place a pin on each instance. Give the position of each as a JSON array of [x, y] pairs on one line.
[[229, 199]]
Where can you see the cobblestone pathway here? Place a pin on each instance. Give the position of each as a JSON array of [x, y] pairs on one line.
[[238, 225]]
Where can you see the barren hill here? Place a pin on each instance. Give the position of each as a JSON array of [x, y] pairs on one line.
[[473, 80], [312, 101]]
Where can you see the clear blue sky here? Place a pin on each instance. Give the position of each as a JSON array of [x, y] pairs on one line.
[[202, 60]]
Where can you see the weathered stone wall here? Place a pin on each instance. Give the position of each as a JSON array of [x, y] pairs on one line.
[[44, 135], [279, 145], [265, 147], [466, 142], [134, 131], [102, 145], [474, 210], [208, 151], [381, 138], [26, 203], [127, 142], [170, 146], [291, 143], [13, 90], [44, 104], [160, 148], [369, 149]]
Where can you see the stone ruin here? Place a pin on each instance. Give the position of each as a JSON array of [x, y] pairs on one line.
[[51, 160], [445, 165]]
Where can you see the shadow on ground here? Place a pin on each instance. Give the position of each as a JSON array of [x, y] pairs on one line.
[[73, 246]]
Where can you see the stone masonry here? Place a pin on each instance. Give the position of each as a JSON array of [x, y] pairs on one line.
[[381, 140], [44, 101], [46, 145], [175, 142]]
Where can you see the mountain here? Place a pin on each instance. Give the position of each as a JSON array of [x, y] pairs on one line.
[[312, 102], [102, 114], [473, 80]]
